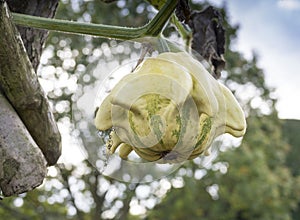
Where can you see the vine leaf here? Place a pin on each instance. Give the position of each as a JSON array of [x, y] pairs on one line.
[[209, 37], [183, 11], [208, 33]]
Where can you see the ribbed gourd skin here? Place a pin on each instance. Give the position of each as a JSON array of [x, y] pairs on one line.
[[169, 109]]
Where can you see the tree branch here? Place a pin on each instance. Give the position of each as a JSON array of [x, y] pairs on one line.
[[33, 39], [22, 165], [20, 85]]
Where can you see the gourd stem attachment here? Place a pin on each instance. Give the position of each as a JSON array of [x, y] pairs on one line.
[[183, 30], [153, 28]]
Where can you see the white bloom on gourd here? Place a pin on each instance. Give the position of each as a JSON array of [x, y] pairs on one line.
[[168, 109]]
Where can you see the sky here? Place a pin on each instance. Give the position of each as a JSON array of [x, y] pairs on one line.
[[271, 28]]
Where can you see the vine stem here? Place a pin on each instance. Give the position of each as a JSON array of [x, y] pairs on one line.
[[183, 31], [153, 28]]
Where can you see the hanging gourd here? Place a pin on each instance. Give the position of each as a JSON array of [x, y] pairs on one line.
[[169, 109]]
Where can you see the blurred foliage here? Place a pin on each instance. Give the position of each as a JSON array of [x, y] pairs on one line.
[[248, 180], [290, 130]]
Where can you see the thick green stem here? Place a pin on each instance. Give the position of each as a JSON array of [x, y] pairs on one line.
[[157, 24], [153, 28], [184, 33], [107, 31]]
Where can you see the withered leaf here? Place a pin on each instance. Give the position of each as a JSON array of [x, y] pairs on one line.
[[209, 37], [183, 11]]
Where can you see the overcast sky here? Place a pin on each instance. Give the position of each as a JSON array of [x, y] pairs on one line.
[[272, 29]]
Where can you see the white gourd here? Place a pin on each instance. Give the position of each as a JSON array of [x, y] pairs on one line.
[[169, 109]]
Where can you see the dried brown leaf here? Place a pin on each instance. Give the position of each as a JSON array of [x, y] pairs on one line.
[[209, 37]]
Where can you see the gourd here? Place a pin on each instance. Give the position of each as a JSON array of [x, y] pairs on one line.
[[169, 109]]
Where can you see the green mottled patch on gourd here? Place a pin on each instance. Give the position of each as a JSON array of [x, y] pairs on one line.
[[156, 124], [176, 132], [182, 121], [131, 122], [153, 104], [135, 129], [178, 121], [206, 128]]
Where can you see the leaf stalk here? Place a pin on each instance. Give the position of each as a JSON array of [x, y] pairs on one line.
[[153, 28]]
